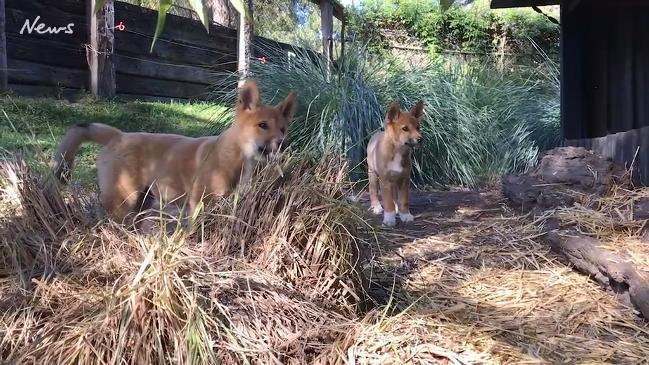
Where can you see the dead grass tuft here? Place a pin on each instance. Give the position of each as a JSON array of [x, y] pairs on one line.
[[277, 284], [272, 275]]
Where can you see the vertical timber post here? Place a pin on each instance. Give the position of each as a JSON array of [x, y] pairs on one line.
[[342, 37], [326, 29], [3, 48], [246, 32], [101, 36]]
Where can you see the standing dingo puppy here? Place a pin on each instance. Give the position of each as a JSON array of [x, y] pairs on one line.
[[388, 162], [171, 166]]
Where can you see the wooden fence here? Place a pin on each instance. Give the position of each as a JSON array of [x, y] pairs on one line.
[[49, 51]]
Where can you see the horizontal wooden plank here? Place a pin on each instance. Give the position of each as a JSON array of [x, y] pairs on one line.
[[501, 4], [137, 85], [41, 7], [32, 73], [16, 20], [46, 52], [47, 91], [132, 97], [623, 148], [163, 71], [178, 29], [133, 45]]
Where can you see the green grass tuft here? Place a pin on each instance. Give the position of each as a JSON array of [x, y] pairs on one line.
[[33, 127]]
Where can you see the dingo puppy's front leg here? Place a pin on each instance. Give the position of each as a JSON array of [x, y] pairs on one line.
[[387, 189], [404, 197], [375, 203]]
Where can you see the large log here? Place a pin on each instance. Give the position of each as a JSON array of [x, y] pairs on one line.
[[607, 268], [560, 172]]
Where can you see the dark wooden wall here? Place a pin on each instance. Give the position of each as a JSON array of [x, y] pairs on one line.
[[605, 67], [183, 65], [605, 79], [46, 64]]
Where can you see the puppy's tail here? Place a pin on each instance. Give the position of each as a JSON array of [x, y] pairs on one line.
[[66, 152]]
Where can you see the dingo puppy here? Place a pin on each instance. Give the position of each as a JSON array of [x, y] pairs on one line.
[[172, 166], [388, 162]]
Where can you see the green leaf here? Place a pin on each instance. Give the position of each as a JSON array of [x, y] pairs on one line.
[[163, 8], [98, 5], [201, 10], [446, 4], [242, 8]]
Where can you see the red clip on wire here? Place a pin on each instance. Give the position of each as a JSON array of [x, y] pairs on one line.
[[120, 26]]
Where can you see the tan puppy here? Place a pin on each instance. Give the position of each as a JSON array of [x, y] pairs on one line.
[[388, 162], [172, 166]]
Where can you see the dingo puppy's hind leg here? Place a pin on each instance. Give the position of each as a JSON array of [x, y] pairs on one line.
[[119, 191]]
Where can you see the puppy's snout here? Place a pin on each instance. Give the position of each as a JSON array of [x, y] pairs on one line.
[[414, 141], [277, 144]]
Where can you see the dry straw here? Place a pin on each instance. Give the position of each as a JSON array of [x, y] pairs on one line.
[[275, 278]]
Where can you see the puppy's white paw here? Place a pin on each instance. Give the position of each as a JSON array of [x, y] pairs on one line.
[[389, 219], [377, 209], [406, 217]]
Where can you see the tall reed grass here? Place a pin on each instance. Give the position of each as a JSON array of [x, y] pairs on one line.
[[479, 122]]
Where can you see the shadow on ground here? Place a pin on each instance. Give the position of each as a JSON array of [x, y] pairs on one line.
[[477, 275]]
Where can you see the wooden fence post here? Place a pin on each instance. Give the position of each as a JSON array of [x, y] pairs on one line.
[[100, 52], [3, 48], [245, 44], [326, 30], [342, 37]]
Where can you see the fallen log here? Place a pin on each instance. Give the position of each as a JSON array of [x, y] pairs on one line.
[[609, 269]]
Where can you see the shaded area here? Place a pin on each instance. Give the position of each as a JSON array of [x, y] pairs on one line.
[[473, 276]]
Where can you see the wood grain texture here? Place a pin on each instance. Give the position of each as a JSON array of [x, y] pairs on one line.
[[100, 53], [32, 73], [138, 85]]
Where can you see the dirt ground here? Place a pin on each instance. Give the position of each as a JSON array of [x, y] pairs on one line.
[[478, 278]]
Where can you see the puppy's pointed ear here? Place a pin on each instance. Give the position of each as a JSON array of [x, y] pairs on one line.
[[393, 113], [417, 111], [248, 96], [287, 107]]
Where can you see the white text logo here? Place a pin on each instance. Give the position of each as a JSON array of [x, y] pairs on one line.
[[41, 28]]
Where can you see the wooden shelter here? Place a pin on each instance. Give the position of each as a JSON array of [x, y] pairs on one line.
[[604, 76]]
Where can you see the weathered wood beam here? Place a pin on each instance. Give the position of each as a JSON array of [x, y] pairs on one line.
[[338, 9], [3, 48], [246, 32], [342, 37], [501, 4], [101, 26], [326, 30]]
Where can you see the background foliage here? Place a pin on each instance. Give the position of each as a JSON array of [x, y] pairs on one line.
[[471, 28]]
